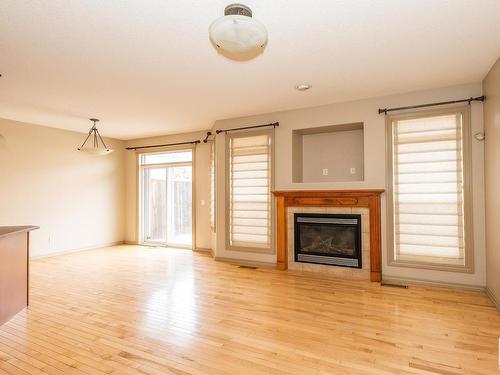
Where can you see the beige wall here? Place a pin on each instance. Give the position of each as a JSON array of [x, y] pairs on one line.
[[491, 85], [338, 152], [75, 198], [201, 188], [83, 201], [364, 111]]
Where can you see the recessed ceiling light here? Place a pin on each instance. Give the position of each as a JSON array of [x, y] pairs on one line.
[[303, 86]]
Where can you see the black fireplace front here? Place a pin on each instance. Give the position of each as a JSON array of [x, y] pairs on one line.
[[328, 239]]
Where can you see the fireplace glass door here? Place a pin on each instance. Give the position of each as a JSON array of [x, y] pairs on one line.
[[328, 239]]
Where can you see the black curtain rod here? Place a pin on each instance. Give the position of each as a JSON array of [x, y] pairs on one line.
[[471, 99], [206, 138], [274, 124], [164, 145]]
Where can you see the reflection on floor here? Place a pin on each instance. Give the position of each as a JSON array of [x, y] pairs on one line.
[[140, 310]]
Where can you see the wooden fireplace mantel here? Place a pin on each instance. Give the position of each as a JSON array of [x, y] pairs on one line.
[[331, 198]]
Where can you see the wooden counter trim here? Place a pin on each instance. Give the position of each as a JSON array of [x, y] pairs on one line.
[[9, 230], [281, 234], [328, 193], [331, 198], [14, 270]]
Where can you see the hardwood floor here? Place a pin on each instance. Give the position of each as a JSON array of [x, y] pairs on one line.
[[135, 310]]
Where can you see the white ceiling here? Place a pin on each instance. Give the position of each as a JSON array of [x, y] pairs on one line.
[[146, 67]]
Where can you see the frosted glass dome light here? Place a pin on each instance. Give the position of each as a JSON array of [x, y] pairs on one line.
[[237, 32]]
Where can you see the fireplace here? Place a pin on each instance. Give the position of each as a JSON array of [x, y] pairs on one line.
[[331, 239]]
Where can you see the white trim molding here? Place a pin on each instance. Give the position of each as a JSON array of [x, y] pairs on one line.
[[492, 297], [438, 284], [77, 250], [242, 262]]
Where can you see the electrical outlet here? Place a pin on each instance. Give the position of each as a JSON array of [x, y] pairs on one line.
[[325, 172], [52, 239], [202, 202], [353, 170]]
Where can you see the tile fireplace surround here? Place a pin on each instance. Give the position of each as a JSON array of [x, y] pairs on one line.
[[364, 202]]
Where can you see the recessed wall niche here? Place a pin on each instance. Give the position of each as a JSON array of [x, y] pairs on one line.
[[328, 153]]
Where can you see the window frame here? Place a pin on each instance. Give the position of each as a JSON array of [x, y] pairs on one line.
[[140, 191], [468, 266], [244, 134], [213, 187]]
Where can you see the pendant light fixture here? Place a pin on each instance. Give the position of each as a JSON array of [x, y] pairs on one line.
[[237, 32], [95, 149]]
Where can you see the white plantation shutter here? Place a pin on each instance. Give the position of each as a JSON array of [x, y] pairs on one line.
[[250, 191], [428, 189]]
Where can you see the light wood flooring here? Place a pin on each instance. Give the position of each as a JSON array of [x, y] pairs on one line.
[[138, 310]]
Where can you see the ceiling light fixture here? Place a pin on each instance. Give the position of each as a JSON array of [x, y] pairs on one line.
[[96, 137], [303, 86], [237, 32]]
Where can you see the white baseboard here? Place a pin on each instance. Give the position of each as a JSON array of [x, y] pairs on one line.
[[492, 297], [69, 251], [439, 284], [241, 262], [203, 250], [200, 249]]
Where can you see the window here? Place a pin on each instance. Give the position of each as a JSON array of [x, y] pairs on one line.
[[249, 186], [166, 199], [429, 161], [167, 157], [212, 186]]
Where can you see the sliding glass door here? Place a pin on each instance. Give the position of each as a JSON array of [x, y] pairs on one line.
[[155, 205], [179, 205], [166, 198]]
